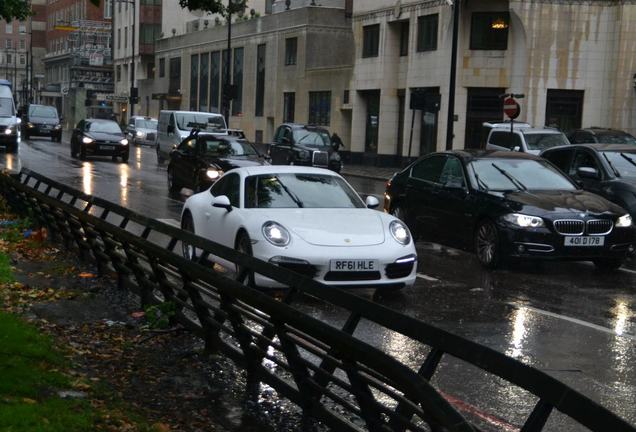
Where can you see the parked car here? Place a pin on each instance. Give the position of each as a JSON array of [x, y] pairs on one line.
[[600, 135], [9, 120], [98, 137], [42, 120], [175, 126], [142, 130], [297, 144], [500, 124], [508, 205], [202, 158], [608, 170], [527, 140], [306, 219]]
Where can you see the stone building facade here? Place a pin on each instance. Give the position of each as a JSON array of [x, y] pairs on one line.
[[575, 62]]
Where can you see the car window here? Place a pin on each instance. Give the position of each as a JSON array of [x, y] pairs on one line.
[[452, 174], [542, 141], [103, 126], [583, 158], [616, 138], [503, 139], [582, 137], [499, 174], [215, 147], [312, 138], [294, 190], [228, 185], [560, 158], [623, 162], [171, 121], [287, 133], [187, 145], [429, 169]]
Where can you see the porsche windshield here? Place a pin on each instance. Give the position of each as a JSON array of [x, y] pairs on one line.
[[517, 174], [204, 122], [293, 190]]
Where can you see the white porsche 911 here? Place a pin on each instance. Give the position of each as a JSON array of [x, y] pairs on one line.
[[309, 220]]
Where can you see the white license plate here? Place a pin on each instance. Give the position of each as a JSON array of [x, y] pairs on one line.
[[585, 241], [348, 265], [105, 147]]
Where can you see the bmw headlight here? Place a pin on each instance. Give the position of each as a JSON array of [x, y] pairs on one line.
[[139, 134], [58, 126], [400, 232], [624, 221], [124, 142], [524, 221], [276, 234], [213, 174], [87, 140]]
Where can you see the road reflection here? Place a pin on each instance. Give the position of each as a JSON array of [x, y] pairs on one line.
[[138, 158], [519, 332], [123, 184], [87, 178]]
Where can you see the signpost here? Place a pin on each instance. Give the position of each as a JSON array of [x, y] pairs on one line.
[[512, 110]]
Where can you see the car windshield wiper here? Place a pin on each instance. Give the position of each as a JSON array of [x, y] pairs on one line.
[[628, 159], [611, 165], [293, 196], [510, 177], [480, 182]]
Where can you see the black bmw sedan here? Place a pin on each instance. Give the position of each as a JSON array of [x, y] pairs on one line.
[[608, 170], [98, 137], [504, 205], [202, 158]]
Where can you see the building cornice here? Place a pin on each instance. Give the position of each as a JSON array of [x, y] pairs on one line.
[[399, 8]]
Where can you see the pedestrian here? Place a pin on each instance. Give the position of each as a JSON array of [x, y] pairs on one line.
[[336, 142]]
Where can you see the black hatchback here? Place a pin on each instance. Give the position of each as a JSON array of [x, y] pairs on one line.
[[200, 159], [508, 205], [605, 169], [97, 137]]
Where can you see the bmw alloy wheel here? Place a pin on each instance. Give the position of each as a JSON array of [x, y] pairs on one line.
[[487, 244]]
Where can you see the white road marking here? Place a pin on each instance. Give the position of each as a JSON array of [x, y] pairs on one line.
[[172, 222], [427, 277], [627, 270], [575, 321]]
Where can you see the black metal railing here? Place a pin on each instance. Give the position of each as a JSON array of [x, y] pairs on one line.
[[332, 374]]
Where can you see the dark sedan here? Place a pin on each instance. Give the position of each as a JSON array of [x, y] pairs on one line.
[[97, 137], [202, 158], [297, 144], [605, 169], [508, 205], [41, 120]]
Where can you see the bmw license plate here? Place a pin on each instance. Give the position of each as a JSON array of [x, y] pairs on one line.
[[105, 147], [585, 241], [353, 265]]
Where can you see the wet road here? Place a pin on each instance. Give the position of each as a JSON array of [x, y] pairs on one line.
[[566, 319]]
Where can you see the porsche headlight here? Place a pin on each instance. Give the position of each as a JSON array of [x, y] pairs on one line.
[[400, 232], [87, 140], [624, 221], [213, 174], [124, 142], [524, 221], [276, 234]]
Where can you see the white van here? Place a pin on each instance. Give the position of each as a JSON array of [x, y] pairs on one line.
[[175, 126], [9, 120], [527, 140]]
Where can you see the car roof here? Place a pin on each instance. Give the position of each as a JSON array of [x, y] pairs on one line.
[[283, 169], [303, 126], [219, 136], [600, 131], [475, 154], [191, 112], [625, 148], [99, 120], [505, 124], [540, 130]]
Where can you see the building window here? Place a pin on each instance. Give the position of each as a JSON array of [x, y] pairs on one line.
[[22, 44], [162, 67], [427, 32], [174, 83], [237, 80], [404, 38], [7, 44], [22, 28], [118, 7], [260, 80], [289, 106], [150, 71], [291, 49], [489, 31], [22, 60], [320, 108], [9, 28], [370, 40], [215, 76], [345, 97], [125, 36], [118, 73], [118, 38], [204, 80], [9, 59], [194, 79], [108, 9]]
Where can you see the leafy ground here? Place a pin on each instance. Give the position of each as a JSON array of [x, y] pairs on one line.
[[84, 357]]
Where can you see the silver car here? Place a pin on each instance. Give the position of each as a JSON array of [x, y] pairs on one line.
[[142, 130]]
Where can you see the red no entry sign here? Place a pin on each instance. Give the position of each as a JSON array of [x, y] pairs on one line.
[[511, 108]]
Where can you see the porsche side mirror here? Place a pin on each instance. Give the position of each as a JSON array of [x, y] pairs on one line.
[[222, 202], [372, 202]]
